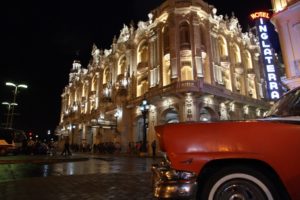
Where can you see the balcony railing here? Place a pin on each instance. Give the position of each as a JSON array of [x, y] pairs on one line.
[[176, 87], [200, 87]]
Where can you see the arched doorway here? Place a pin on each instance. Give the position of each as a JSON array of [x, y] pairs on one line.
[[207, 114], [170, 116]]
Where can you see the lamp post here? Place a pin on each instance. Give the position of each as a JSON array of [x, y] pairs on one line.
[[16, 86], [144, 107], [116, 115], [72, 129], [48, 135], [9, 106]]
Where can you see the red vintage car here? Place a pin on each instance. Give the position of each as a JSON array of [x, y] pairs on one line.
[[226, 160]]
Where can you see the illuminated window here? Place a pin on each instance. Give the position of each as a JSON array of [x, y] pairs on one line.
[[186, 72], [222, 44], [142, 69], [106, 75], [94, 83], [142, 87], [236, 54], [248, 60], [184, 32], [122, 65], [76, 95], [279, 5], [166, 70], [143, 53], [227, 79]]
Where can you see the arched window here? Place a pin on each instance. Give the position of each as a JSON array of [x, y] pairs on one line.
[[142, 69], [106, 75], [166, 70], [186, 72], [236, 54], [248, 60], [202, 38], [166, 39], [143, 53], [222, 45], [83, 93], [94, 83], [142, 87], [122, 65], [184, 32]]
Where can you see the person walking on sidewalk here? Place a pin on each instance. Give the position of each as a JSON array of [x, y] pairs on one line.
[[153, 145], [66, 148]]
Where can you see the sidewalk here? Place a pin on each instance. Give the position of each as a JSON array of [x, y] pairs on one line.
[[11, 159], [134, 185], [40, 159], [116, 186]]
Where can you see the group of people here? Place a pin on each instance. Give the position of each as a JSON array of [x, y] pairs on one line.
[[37, 147], [109, 147], [136, 148], [66, 151]]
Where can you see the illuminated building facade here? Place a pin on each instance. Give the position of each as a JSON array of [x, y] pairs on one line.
[[286, 19], [189, 63]]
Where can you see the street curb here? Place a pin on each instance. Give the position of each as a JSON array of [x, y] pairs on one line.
[[42, 161]]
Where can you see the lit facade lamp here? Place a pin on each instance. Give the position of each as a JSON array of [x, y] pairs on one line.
[[144, 107], [117, 115], [16, 86], [107, 93], [72, 128], [9, 106]]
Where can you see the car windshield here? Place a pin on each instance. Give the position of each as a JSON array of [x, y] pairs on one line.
[[287, 106]]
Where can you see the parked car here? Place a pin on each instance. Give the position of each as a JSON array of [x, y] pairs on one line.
[[254, 159], [11, 141], [5, 147]]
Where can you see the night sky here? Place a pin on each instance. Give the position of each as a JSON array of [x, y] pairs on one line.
[[40, 40]]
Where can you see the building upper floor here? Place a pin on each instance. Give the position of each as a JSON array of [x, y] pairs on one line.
[[183, 44], [279, 5]]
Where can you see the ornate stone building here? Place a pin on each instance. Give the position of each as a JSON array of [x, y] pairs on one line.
[[286, 19], [189, 63]]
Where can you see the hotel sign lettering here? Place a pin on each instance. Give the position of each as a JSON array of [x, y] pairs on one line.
[[272, 79]]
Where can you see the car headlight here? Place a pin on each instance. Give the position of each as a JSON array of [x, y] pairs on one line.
[[184, 175], [171, 175], [179, 175]]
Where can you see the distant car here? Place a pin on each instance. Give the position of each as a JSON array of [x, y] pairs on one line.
[[255, 159]]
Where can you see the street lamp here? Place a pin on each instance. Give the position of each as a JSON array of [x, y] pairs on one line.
[[9, 106], [144, 107], [16, 86]]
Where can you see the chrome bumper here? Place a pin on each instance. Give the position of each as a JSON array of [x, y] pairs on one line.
[[170, 183]]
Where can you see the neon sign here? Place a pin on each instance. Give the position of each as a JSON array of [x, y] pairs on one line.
[[272, 79], [258, 15]]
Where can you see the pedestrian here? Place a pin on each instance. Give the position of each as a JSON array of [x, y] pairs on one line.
[[66, 148], [153, 145]]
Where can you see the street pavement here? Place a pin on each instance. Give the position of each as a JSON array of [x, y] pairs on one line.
[[101, 186]]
